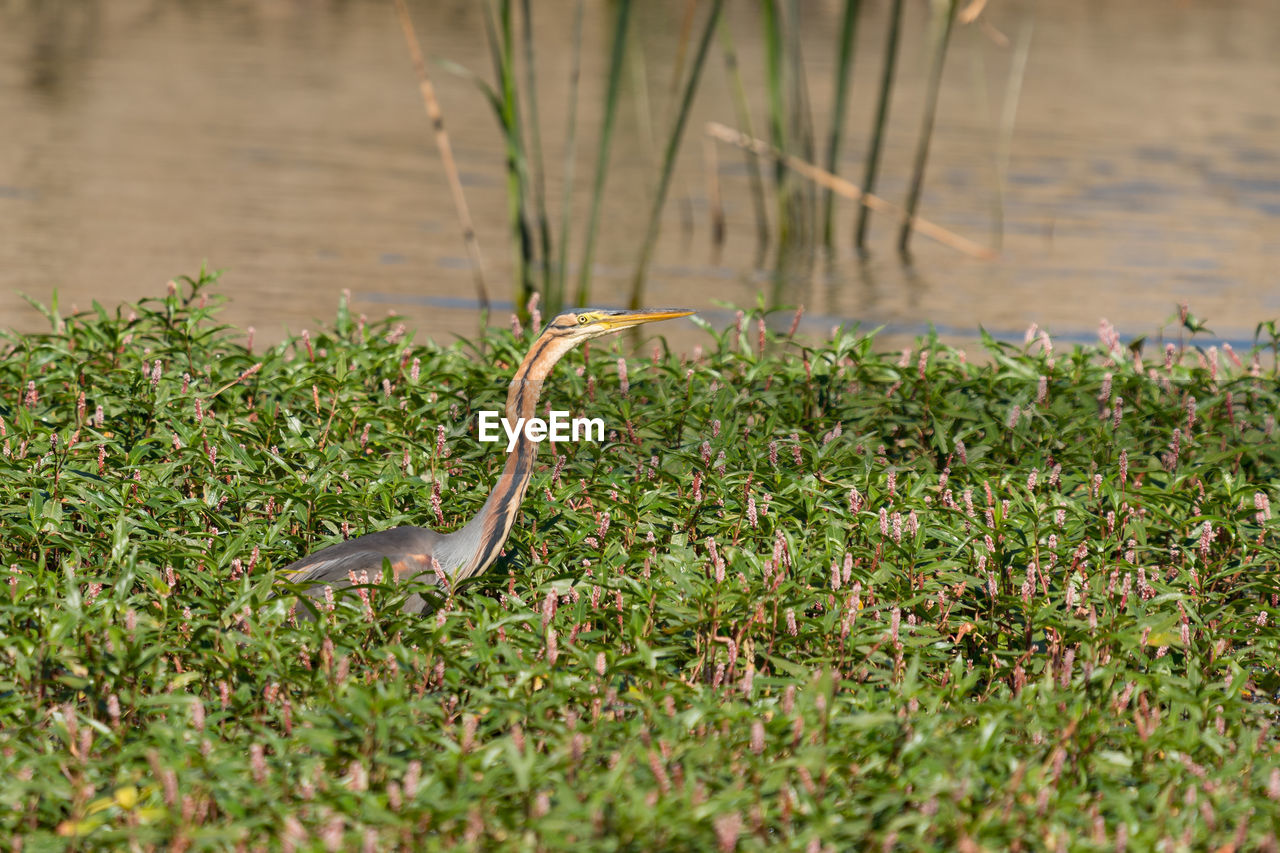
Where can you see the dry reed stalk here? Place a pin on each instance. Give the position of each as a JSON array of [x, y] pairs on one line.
[[446, 152], [970, 13], [839, 185]]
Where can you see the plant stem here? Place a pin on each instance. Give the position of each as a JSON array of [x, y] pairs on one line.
[[844, 67], [602, 153], [501, 47], [944, 15], [555, 298], [672, 149], [446, 155], [881, 120], [741, 107], [536, 168]]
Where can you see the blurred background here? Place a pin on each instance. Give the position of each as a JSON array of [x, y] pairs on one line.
[[1116, 159]]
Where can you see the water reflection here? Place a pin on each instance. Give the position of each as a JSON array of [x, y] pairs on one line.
[[283, 140]]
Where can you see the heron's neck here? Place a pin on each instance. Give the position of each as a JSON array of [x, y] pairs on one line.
[[481, 540]]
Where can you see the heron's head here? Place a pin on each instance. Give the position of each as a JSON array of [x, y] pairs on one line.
[[592, 323]]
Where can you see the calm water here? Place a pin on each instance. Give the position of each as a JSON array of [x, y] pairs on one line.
[[284, 141]]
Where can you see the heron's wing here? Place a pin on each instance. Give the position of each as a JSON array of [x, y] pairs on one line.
[[409, 550]]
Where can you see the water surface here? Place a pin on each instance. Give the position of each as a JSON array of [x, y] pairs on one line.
[[284, 142]]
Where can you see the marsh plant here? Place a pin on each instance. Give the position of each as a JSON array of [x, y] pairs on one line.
[[804, 595], [539, 247]]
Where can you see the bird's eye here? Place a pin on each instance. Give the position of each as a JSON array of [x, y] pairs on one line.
[[583, 319]]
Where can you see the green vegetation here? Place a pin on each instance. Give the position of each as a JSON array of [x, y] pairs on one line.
[[804, 597], [540, 251]]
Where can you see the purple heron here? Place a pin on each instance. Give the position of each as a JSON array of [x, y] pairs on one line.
[[421, 554]]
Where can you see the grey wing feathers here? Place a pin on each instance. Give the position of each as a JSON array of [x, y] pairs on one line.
[[408, 549]]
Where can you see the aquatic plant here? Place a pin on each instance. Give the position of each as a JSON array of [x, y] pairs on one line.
[[540, 253], [804, 595]]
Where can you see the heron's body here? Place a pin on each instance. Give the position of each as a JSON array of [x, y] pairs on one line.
[[421, 554]]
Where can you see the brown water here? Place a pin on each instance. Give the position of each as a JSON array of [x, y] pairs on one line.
[[284, 141]]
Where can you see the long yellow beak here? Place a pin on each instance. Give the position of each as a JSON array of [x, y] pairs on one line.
[[615, 320]]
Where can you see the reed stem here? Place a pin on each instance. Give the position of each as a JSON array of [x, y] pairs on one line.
[[943, 17], [715, 203], [537, 169], [835, 137], [672, 150], [602, 154], [500, 46], [879, 125], [743, 111], [802, 198], [1008, 117], [555, 299]]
